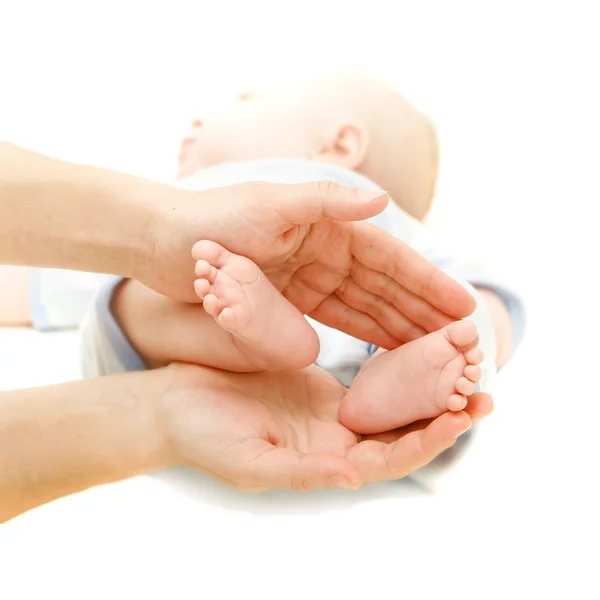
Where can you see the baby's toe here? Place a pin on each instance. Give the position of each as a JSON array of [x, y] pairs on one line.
[[456, 402], [473, 373], [212, 305], [210, 252], [202, 288], [205, 270], [465, 387], [474, 356], [461, 333], [227, 318], [241, 269]]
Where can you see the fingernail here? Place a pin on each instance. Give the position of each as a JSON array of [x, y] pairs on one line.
[[341, 482], [369, 195], [463, 431]]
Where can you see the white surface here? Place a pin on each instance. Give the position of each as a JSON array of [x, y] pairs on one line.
[[512, 89]]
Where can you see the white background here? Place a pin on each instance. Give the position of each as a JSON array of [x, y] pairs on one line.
[[511, 86]]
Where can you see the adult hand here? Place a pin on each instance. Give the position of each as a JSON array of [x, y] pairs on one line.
[[280, 430], [252, 431], [349, 275]]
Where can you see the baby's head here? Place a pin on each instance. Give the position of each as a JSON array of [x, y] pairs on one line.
[[344, 118]]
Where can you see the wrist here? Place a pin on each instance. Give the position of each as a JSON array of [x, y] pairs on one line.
[[167, 265], [183, 409], [128, 241], [153, 445]]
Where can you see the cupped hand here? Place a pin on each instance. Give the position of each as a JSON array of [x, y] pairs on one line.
[[308, 238], [280, 430]]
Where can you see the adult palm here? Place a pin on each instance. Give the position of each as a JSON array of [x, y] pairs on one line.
[[309, 239], [257, 431]]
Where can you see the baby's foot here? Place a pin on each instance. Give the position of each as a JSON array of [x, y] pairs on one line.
[[270, 331], [419, 380]]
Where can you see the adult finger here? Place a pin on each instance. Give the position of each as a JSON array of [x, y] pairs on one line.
[[351, 307], [479, 406], [311, 296], [379, 461], [304, 203], [338, 315], [282, 468], [388, 316], [378, 250], [414, 307]]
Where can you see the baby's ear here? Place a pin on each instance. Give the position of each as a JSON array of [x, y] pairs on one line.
[[347, 146]]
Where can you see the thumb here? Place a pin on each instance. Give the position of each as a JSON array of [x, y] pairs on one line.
[[304, 203], [287, 469], [384, 460]]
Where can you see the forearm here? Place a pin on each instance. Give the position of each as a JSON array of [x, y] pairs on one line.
[[502, 325], [57, 214], [62, 439]]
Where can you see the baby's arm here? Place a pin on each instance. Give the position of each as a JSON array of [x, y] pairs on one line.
[[14, 299]]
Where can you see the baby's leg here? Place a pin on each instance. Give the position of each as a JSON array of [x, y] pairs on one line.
[[419, 380], [267, 328]]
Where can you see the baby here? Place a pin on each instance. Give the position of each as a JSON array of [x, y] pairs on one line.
[[354, 131], [344, 118]]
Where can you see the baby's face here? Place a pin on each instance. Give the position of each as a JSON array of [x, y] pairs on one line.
[[254, 126]]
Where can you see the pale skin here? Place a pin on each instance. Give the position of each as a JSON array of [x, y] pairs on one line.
[[423, 376], [255, 328], [14, 302], [342, 118], [253, 432], [273, 225], [421, 380], [58, 440]]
